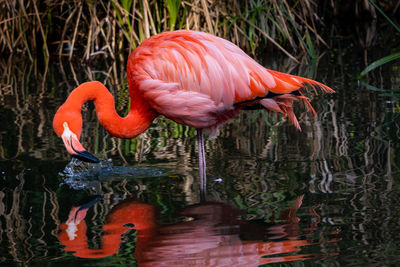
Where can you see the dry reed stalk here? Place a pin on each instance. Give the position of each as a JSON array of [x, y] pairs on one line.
[[151, 22], [207, 15], [75, 32], [67, 22], [146, 20], [291, 19], [273, 41], [107, 43], [310, 11], [311, 28], [41, 31]]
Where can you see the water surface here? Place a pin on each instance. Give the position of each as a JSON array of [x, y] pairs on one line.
[[274, 194]]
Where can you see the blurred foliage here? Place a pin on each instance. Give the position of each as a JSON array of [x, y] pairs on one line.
[[112, 28]]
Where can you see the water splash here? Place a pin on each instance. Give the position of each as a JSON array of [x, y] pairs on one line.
[[82, 175]]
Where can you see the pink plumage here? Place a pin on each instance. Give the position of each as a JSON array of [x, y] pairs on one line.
[[202, 80]]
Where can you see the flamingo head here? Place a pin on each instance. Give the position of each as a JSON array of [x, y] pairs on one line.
[[68, 125]]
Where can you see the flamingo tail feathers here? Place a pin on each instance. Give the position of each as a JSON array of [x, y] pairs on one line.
[[291, 82], [288, 91]]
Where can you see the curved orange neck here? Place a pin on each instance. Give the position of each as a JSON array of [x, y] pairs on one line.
[[139, 118]]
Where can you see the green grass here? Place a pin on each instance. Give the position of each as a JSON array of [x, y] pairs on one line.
[[379, 63]]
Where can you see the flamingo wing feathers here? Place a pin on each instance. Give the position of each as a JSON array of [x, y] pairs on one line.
[[198, 79]]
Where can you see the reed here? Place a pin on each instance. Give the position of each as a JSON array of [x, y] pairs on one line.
[[43, 28], [88, 29]]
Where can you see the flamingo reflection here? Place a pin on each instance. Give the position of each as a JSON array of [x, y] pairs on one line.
[[210, 235], [132, 214]]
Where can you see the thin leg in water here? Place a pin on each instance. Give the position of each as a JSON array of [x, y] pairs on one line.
[[202, 163]]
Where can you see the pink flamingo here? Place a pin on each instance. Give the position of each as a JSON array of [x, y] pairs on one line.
[[211, 238], [192, 78]]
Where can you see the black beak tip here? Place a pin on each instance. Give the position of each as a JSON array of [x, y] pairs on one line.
[[86, 157]]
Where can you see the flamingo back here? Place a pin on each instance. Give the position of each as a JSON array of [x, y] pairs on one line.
[[202, 80]]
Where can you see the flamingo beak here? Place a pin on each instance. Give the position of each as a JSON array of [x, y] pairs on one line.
[[75, 148]]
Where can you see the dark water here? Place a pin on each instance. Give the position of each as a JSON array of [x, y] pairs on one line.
[[325, 196]]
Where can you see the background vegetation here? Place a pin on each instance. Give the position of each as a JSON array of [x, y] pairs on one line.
[[111, 28]]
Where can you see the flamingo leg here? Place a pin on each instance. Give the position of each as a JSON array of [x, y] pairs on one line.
[[202, 163]]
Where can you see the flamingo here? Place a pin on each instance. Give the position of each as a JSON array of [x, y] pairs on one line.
[[216, 227], [193, 78]]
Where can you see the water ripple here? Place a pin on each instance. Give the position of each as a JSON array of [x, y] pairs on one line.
[[80, 175]]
